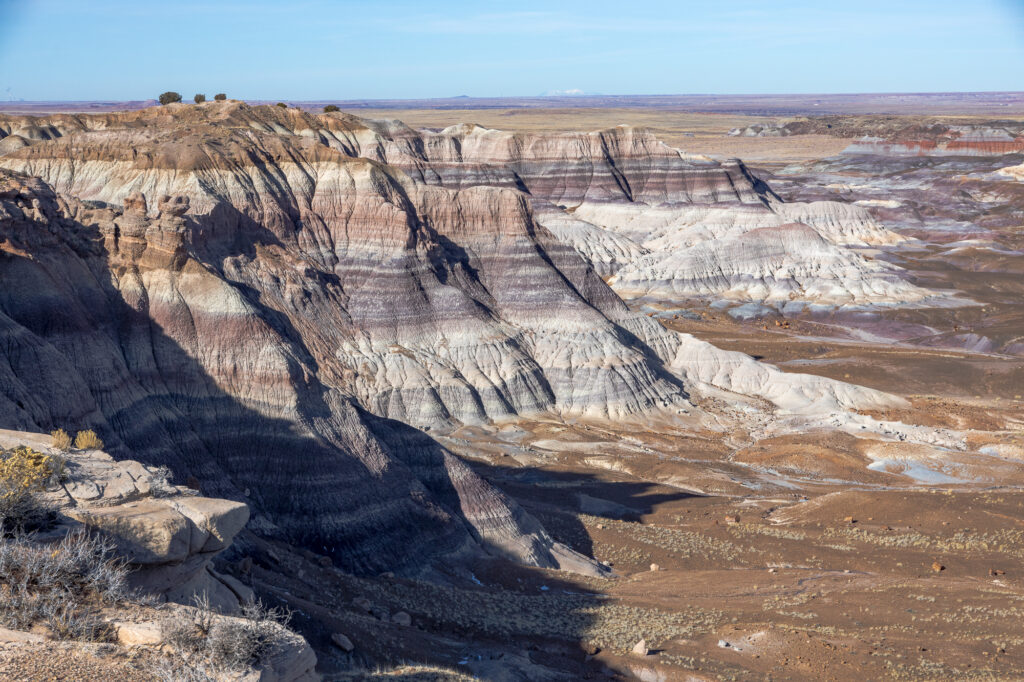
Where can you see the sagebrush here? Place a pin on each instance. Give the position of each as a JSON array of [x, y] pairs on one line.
[[210, 643], [62, 585]]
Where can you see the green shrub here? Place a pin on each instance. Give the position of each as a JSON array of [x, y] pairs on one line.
[[88, 440], [61, 441], [331, 107], [220, 97], [199, 98], [169, 97], [282, 105]]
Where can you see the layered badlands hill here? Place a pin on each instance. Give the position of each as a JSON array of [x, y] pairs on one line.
[[622, 199], [242, 294], [110, 320]]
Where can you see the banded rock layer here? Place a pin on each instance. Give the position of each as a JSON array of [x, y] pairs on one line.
[[620, 198], [110, 320], [242, 294]]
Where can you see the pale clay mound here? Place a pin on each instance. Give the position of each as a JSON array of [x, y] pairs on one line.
[[1015, 172]]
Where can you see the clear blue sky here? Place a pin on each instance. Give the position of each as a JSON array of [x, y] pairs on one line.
[[316, 49]]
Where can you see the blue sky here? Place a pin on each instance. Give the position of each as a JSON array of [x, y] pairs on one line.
[[315, 49]]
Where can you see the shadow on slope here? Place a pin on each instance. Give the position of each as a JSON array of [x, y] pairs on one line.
[[318, 471]]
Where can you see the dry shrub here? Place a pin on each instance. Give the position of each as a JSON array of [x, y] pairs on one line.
[[60, 584], [23, 473], [88, 440], [211, 644], [61, 440]]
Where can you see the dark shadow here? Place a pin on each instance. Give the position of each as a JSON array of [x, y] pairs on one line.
[[543, 493]]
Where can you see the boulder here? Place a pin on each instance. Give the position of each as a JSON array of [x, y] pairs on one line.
[[146, 532], [402, 618], [640, 648], [138, 634], [220, 520]]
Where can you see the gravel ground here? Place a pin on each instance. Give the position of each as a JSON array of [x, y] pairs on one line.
[[68, 663]]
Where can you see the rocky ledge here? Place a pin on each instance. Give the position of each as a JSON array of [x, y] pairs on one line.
[[167, 536]]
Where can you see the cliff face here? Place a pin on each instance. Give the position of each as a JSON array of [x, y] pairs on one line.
[[111, 320]]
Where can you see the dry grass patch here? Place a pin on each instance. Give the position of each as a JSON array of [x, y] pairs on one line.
[[88, 440]]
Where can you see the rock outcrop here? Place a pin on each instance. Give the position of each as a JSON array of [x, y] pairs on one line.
[[168, 534]]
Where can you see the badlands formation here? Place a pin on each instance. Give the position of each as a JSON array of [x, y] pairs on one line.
[[456, 372]]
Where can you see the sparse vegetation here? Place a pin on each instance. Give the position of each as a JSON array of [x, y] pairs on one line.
[[331, 107], [199, 98], [220, 97], [60, 585], [169, 97], [60, 440], [88, 440], [209, 644], [23, 473]]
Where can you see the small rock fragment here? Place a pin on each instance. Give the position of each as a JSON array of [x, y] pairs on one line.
[[402, 618], [655, 567], [362, 603], [723, 644], [342, 642], [937, 567], [640, 648]]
